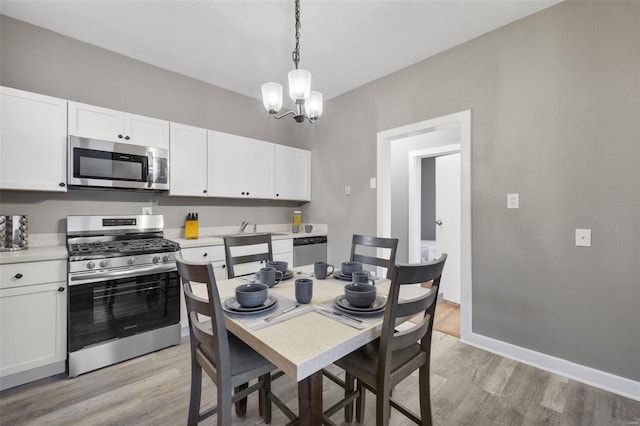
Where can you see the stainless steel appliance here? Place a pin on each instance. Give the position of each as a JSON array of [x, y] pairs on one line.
[[98, 163], [124, 294], [13, 233], [307, 250]]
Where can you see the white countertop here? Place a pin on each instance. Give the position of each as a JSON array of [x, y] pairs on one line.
[[34, 254]]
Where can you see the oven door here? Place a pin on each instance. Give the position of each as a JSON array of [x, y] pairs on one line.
[[128, 304], [94, 162]]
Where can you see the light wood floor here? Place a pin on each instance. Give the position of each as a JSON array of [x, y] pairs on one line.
[[469, 387], [447, 318]]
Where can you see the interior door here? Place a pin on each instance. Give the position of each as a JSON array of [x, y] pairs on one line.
[[448, 223]]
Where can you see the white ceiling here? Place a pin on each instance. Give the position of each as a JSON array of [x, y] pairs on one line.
[[239, 44]]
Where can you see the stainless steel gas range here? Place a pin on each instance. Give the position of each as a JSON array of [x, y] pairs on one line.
[[124, 294]]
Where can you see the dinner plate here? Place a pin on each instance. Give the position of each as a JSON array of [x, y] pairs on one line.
[[231, 305], [340, 276], [377, 306], [287, 275]]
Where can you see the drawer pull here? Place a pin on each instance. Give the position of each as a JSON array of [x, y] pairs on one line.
[[205, 255], [18, 276], [60, 289]]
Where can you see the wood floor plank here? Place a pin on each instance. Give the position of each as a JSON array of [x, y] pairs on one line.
[[468, 387]]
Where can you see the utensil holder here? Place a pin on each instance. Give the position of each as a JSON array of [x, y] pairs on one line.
[[13, 233]]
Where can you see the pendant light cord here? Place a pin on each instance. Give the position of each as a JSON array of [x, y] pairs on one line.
[[296, 52]]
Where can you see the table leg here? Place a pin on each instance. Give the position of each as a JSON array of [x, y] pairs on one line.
[[310, 400]]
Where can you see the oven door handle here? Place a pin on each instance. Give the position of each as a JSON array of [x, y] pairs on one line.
[[100, 276]]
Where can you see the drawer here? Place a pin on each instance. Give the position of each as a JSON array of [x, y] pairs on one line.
[[203, 254], [29, 273], [282, 246]]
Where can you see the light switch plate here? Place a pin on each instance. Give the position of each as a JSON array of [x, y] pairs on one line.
[[513, 201], [147, 210], [372, 183], [583, 237], [347, 190]]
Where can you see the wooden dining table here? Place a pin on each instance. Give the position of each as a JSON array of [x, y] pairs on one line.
[[303, 343]]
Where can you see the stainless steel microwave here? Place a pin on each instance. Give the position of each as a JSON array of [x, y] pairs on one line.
[[105, 164]]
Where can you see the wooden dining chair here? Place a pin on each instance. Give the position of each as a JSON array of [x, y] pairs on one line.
[[228, 361], [376, 242], [260, 252], [382, 364]]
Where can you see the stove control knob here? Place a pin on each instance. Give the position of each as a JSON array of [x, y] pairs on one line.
[[91, 265], [165, 258], [156, 259], [104, 263], [131, 261]]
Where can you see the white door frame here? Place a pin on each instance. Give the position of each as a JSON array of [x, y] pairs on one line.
[[385, 138], [415, 193]]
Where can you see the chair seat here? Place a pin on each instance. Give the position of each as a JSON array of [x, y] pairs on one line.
[[245, 362], [363, 363]]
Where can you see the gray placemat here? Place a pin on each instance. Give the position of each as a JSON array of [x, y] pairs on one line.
[[329, 310], [257, 321]]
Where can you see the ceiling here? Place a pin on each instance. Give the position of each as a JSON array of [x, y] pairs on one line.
[[238, 45]]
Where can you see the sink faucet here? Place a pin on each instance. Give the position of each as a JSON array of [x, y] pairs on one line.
[[244, 225]]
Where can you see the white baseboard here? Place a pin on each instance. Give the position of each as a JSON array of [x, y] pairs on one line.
[[600, 379]]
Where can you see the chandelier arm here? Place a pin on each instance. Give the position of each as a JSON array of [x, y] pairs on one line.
[[283, 114]]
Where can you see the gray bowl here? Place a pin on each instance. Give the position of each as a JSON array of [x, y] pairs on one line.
[[280, 265], [349, 268], [251, 295], [360, 295]]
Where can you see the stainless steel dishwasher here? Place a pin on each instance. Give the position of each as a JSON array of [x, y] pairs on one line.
[[307, 250]]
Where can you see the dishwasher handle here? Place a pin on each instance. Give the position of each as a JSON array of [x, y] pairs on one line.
[[305, 241]]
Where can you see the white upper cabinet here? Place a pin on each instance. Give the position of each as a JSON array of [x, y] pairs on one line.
[[188, 159], [33, 147], [240, 167], [102, 123], [293, 173]]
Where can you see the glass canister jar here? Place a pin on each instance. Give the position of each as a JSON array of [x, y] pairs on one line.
[[297, 218]]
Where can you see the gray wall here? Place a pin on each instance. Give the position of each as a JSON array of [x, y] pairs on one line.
[[41, 61], [556, 118], [428, 200]]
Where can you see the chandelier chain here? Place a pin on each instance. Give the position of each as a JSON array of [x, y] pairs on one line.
[[296, 52]]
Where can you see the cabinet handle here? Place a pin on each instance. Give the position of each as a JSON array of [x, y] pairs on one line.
[[62, 184], [60, 289], [247, 193], [127, 137], [224, 266], [120, 136], [243, 193], [18, 276], [277, 195], [205, 255], [204, 191]]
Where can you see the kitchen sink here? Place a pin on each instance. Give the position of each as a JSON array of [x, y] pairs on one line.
[[246, 234]]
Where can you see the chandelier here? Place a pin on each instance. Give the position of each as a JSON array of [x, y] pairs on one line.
[[308, 103]]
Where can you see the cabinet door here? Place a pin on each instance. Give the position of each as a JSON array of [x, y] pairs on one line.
[[259, 167], [293, 173], [188, 171], [146, 131], [226, 165], [96, 122], [33, 330], [33, 141]]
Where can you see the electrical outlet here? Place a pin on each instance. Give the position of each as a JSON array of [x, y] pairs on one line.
[[147, 210], [372, 183], [347, 190], [583, 237]]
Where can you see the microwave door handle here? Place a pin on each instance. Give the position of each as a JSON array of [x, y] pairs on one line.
[[149, 169]]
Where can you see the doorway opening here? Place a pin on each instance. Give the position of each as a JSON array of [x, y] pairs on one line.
[[430, 138]]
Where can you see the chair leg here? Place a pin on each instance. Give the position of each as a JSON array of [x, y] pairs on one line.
[[425, 396], [264, 398], [348, 389], [360, 402], [241, 405], [224, 408], [194, 397], [383, 408]]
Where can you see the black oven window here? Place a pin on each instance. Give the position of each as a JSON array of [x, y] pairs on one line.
[[123, 307]]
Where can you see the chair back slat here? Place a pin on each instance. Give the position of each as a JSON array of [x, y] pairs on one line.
[[264, 251], [413, 307], [195, 303], [375, 242], [404, 339]]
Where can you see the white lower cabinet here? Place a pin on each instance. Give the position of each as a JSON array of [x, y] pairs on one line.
[[283, 250], [212, 254], [33, 321]]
